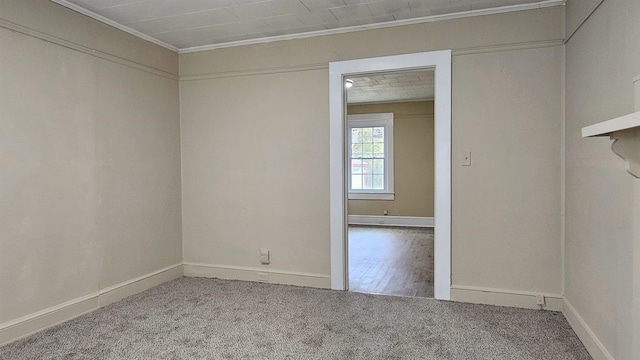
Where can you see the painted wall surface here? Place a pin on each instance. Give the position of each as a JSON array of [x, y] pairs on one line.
[[413, 160], [601, 240], [506, 205], [255, 147], [90, 158]]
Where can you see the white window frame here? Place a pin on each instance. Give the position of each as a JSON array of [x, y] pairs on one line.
[[374, 120]]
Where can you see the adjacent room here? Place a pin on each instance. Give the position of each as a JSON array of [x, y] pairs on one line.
[[174, 179], [391, 182]]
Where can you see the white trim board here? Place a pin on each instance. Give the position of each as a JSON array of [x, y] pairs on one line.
[[504, 297], [338, 71], [40, 320], [267, 275], [585, 334], [412, 221]]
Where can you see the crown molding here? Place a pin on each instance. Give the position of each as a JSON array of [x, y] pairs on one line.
[[433, 18], [116, 25]]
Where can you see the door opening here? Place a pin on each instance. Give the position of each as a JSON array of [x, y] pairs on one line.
[[390, 182], [440, 62]]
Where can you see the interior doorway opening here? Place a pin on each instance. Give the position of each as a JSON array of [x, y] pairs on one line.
[[440, 63], [390, 182]]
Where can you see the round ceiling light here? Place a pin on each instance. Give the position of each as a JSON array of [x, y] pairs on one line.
[[348, 83]]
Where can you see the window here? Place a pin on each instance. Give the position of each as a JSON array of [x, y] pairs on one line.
[[371, 156]]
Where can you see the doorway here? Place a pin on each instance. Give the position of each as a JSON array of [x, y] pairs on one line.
[[440, 62], [390, 182]]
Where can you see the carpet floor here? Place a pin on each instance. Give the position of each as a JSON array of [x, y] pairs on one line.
[[194, 318]]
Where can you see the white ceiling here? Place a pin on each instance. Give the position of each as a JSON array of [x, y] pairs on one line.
[[193, 24], [394, 86]]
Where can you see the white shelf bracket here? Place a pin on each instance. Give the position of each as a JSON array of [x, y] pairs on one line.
[[625, 133], [626, 145]]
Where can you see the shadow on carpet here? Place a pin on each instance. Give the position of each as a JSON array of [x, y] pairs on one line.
[[194, 318]]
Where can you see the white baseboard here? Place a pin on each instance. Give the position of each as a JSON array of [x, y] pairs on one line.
[[38, 321], [502, 297], [32, 323], [257, 274], [412, 221], [125, 289], [585, 334]]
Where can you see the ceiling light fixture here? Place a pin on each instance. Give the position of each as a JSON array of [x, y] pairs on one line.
[[348, 83]]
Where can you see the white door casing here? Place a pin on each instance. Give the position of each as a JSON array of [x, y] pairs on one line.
[[441, 62]]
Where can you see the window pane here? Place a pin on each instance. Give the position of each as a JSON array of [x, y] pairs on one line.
[[368, 154], [378, 182], [378, 150], [356, 166], [366, 135], [356, 150], [378, 134], [367, 150], [367, 182], [356, 135], [377, 166], [367, 167], [356, 182]]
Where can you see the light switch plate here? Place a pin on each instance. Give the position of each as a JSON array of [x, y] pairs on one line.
[[465, 158]]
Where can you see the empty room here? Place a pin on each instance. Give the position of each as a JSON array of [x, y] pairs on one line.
[[391, 191], [180, 179]]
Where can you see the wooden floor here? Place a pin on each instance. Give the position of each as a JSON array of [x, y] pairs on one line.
[[391, 260]]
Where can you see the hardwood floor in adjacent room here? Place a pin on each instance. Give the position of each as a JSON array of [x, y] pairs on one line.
[[391, 260]]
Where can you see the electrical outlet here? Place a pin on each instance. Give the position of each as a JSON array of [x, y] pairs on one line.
[[385, 212], [263, 277], [540, 300], [265, 256]]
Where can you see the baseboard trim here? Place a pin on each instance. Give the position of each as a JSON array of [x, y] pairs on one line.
[[585, 334], [24, 326], [412, 221], [257, 274], [503, 297], [125, 289]]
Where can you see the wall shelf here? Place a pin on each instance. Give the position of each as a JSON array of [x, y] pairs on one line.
[[625, 131], [605, 128]]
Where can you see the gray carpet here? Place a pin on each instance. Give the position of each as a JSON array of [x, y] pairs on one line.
[[192, 318]]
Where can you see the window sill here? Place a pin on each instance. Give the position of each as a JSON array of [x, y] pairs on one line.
[[371, 196]]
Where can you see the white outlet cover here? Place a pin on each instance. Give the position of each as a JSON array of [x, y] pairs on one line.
[[265, 256]]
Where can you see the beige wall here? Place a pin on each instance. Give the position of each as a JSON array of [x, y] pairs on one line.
[[413, 160], [91, 153], [90, 158], [255, 146], [601, 242], [506, 205]]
